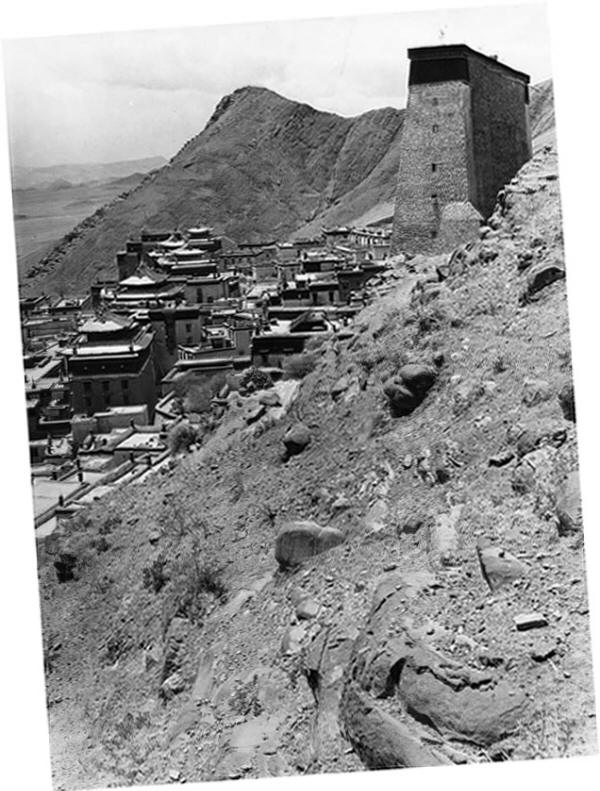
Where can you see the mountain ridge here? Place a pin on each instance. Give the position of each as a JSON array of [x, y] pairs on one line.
[[263, 166]]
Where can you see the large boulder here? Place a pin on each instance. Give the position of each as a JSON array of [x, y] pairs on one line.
[[419, 379], [540, 276], [409, 387], [298, 541], [296, 438], [402, 401], [498, 566], [568, 505]]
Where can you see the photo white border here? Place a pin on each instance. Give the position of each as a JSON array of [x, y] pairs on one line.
[[574, 46]]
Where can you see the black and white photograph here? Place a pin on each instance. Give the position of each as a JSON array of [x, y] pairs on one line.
[[300, 440]]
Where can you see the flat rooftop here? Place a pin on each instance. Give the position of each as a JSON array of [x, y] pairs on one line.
[[444, 51]]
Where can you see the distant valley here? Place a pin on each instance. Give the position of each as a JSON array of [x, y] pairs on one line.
[[49, 202]]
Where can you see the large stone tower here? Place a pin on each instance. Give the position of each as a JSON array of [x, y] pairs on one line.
[[465, 134]]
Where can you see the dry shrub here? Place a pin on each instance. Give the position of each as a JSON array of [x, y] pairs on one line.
[[181, 437], [297, 366], [194, 583]]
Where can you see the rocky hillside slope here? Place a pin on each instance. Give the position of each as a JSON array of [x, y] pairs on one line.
[[390, 574], [264, 166]]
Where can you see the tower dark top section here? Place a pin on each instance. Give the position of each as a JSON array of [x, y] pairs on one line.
[[465, 134]]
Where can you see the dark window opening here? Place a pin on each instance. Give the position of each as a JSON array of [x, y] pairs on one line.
[[433, 167], [435, 128], [434, 196]]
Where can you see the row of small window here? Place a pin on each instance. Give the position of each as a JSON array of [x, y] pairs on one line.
[[87, 386], [88, 401]]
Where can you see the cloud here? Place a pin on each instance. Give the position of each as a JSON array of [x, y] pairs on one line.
[[114, 95]]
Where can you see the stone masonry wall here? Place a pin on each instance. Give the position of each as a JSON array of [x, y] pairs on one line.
[[436, 132], [501, 133]]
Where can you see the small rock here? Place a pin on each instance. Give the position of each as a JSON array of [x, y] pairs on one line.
[[296, 438], [536, 391], [444, 537], [306, 609], [340, 503], [172, 685], [530, 620], [339, 387], [566, 399], [292, 640], [543, 650], [270, 398], [174, 775], [501, 459], [411, 525], [568, 506], [254, 413], [375, 519]]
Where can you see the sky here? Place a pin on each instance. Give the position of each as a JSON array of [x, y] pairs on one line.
[[115, 96]]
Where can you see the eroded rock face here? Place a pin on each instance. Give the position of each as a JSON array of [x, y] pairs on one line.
[[380, 740], [397, 659], [460, 701], [324, 664], [298, 541]]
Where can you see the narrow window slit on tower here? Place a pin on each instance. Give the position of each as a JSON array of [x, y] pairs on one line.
[[433, 167]]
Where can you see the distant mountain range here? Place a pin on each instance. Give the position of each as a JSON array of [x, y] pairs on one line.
[[263, 166], [56, 176]]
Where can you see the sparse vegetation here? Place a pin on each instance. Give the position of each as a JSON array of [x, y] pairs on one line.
[[195, 582], [181, 437], [297, 366], [255, 379]]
